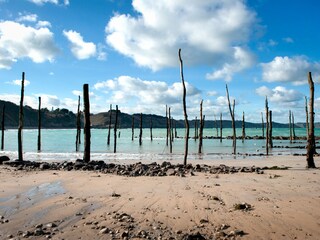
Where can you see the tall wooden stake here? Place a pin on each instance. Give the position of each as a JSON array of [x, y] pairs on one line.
[[234, 143], [2, 125], [140, 135], [115, 131], [169, 129], [216, 126], [293, 130], [270, 130], [151, 137], [87, 127], [20, 153], [262, 125], [39, 125], [196, 129], [201, 129], [167, 126], [311, 148], [290, 127], [243, 127], [307, 116], [186, 122], [267, 127], [109, 126]]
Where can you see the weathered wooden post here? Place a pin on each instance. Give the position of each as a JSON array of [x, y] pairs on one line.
[[39, 125], [169, 129], [171, 124], [20, 153], [115, 131], [201, 129], [2, 125], [262, 125], [195, 129], [109, 126], [267, 126], [151, 137], [290, 127], [78, 135], [221, 127], [186, 122], [270, 130], [293, 130], [234, 143], [167, 126], [175, 129], [140, 134], [87, 127], [132, 128], [311, 148], [216, 126], [243, 127]]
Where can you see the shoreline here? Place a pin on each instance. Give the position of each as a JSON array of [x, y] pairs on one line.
[[89, 204]]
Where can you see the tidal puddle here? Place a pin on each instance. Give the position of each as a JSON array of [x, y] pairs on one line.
[[12, 204]]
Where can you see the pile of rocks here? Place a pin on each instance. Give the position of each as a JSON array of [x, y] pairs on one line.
[[133, 170]]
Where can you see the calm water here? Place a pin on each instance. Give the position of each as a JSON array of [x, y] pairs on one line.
[[59, 144]]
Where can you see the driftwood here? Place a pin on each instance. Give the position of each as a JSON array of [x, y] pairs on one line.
[[140, 134], [87, 127], [234, 137], [311, 140], [2, 125], [20, 153], [39, 125], [109, 126], [115, 131], [186, 122]]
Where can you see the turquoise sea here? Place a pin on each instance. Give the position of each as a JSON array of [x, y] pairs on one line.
[[59, 144]]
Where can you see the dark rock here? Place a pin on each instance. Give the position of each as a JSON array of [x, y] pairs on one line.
[[196, 236], [4, 159]]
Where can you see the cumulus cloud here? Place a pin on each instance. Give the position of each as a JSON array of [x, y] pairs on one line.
[[41, 24], [242, 59], [209, 32], [18, 82], [280, 94], [286, 69], [56, 2], [144, 95], [20, 41], [27, 18], [79, 48]]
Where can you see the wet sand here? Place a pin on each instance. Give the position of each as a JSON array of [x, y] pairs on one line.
[[280, 204]]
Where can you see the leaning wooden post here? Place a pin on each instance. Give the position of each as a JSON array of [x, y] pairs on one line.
[[151, 137], [307, 116], [186, 122], [167, 126], [267, 126], [2, 126], [311, 140], [293, 130], [270, 130], [243, 127], [140, 134], [109, 127], [221, 127], [169, 129], [234, 142], [290, 127], [115, 131], [132, 128], [20, 154], [87, 127], [78, 135], [262, 125], [201, 129], [39, 125]]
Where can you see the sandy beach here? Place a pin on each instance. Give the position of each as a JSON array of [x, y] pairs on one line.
[[278, 204]]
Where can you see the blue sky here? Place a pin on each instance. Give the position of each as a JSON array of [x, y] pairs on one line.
[[127, 51]]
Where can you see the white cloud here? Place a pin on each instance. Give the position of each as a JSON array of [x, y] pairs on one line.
[[206, 31], [56, 2], [288, 40], [280, 95], [242, 59], [76, 92], [28, 18], [79, 48], [41, 24], [286, 69], [18, 82], [20, 41]]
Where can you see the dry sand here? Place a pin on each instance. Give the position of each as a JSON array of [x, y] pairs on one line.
[[89, 205]]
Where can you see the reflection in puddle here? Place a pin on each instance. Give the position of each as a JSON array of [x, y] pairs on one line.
[[21, 201]]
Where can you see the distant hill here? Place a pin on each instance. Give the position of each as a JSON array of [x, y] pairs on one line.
[[63, 118]]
